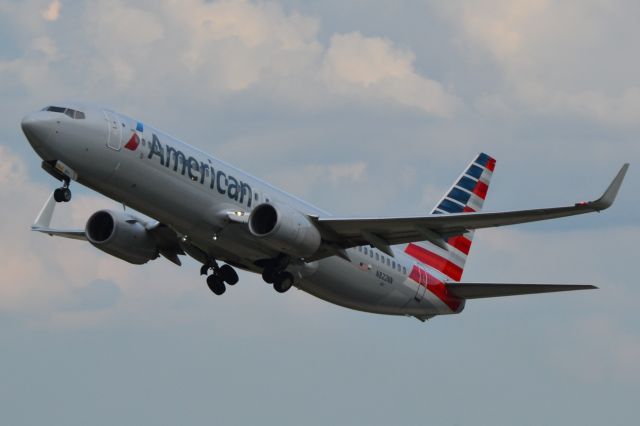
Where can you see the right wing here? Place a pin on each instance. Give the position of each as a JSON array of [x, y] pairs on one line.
[[166, 238], [342, 233], [43, 223]]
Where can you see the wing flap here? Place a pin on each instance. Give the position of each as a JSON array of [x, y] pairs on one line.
[[484, 290]]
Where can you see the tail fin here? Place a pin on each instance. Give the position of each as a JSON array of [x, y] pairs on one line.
[[467, 194]]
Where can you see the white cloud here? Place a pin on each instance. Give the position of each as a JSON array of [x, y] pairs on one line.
[[556, 57], [52, 12], [358, 65], [302, 180], [215, 50]]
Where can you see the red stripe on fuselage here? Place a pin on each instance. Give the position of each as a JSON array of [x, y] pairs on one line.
[[435, 286], [441, 264]]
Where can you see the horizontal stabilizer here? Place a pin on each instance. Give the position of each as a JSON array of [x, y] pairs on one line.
[[482, 290]]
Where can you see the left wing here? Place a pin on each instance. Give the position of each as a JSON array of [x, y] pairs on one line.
[[343, 233]]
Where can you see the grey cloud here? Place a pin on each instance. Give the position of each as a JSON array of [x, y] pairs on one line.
[[99, 294]]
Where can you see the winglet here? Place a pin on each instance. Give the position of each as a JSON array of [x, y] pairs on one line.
[[609, 195], [44, 218]]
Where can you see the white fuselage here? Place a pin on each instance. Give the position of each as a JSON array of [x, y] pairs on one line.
[[193, 192]]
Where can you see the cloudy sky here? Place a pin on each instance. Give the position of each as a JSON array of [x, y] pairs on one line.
[[363, 108]]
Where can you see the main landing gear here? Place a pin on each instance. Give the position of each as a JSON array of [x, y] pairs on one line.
[[219, 276], [63, 194], [282, 280]]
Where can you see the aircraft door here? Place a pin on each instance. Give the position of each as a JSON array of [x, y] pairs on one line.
[[114, 131], [422, 281]]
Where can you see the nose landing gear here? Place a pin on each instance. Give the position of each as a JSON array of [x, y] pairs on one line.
[[63, 194], [219, 276]]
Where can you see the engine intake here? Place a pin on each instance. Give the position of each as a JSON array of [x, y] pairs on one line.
[[285, 229], [121, 235]]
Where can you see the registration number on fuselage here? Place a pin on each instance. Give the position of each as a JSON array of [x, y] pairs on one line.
[[384, 277]]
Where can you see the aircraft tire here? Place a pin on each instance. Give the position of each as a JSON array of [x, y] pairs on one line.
[[283, 282], [216, 285], [228, 274], [62, 195], [269, 275]]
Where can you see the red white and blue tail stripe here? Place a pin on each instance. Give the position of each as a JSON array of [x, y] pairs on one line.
[[466, 195]]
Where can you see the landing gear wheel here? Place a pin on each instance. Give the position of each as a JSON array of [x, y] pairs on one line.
[[283, 282], [216, 285], [269, 275], [62, 195], [228, 274]]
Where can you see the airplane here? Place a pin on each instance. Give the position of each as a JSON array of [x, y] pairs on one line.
[[227, 219]]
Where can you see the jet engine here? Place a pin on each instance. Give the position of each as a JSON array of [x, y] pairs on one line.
[[121, 235], [284, 229]]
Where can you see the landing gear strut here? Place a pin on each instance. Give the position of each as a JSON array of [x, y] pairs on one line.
[[63, 194], [219, 276]]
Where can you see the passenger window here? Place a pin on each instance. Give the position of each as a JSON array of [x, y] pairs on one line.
[[394, 264], [377, 256], [371, 253], [404, 270], [388, 262], [365, 250]]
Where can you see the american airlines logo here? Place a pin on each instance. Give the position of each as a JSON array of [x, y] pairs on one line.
[[197, 171], [134, 141]]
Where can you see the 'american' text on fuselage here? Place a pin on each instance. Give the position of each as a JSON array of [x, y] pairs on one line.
[[200, 171]]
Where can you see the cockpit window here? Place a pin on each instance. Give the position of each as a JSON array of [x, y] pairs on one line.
[[68, 111], [55, 109]]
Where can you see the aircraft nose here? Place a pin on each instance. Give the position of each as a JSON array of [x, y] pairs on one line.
[[36, 128]]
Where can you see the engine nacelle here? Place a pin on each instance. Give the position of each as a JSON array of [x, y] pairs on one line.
[[121, 235], [285, 229]]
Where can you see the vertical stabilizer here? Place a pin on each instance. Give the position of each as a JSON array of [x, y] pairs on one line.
[[467, 194]]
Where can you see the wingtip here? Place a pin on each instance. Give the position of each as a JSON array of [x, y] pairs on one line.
[[611, 192]]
